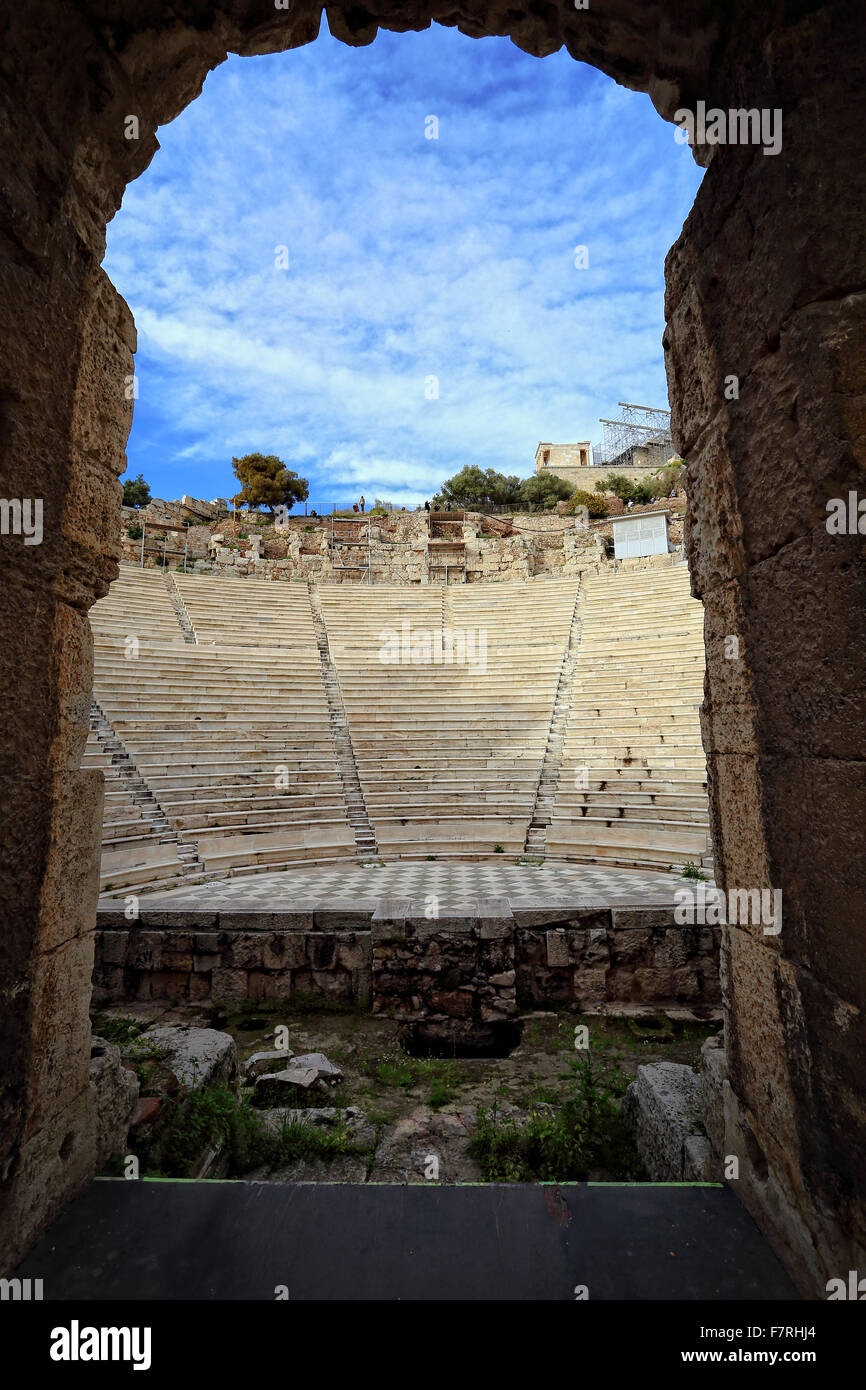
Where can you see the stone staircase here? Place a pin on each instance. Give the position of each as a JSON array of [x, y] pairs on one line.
[[124, 770], [365, 839], [548, 781], [179, 608]]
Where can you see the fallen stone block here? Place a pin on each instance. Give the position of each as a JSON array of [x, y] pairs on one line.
[[116, 1092], [262, 1062], [327, 1071], [281, 1084], [197, 1056], [662, 1108]]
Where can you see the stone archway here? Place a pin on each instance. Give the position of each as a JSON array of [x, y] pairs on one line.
[[765, 284]]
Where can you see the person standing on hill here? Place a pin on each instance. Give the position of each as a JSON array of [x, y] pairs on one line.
[[362, 503]]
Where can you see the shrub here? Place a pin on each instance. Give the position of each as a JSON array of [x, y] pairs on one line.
[[691, 870], [478, 488], [670, 477], [134, 532], [581, 1138], [647, 490], [595, 505], [544, 490]]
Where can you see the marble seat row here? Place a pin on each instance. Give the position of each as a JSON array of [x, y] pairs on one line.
[[632, 785], [449, 752], [445, 697]]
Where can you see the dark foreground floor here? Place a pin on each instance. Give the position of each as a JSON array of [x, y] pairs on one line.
[[238, 1240]]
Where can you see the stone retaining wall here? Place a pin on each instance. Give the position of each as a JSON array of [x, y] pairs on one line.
[[478, 966]]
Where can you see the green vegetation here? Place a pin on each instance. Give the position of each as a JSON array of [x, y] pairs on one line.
[[136, 492], [543, 490], [691, 870], [625, 490], [215, 1117], [398, 1071], [582, 1138], [594, 504], [478, 488], [656, 487], [268, 483], [119, 1031], [134, 532]]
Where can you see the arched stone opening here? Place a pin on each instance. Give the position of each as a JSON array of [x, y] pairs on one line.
[[764, 285]]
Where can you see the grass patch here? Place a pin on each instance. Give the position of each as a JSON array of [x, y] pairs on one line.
[[397, 1071], [584, 1137], [119, 1031], [215, 1116]]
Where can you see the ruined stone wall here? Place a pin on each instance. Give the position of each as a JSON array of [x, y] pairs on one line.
[[464, 968], [586, 478]]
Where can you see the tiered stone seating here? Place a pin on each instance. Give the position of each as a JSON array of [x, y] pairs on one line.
[[634, 726], [233, 735], [249, 613], [233, 741], [449, 756], [137, 606], [132, 852]]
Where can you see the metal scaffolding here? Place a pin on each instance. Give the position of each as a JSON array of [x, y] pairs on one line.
[[640, 428], [354, 533]]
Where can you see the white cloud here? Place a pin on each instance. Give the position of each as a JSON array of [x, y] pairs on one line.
[[408, 258]]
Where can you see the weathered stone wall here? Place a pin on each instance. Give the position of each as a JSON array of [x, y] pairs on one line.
[[473, 967], [557, 456], [586, 478], [762, 288], [619, 956], [214, 958]]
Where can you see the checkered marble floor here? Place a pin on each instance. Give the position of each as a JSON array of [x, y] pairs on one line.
[[457, 884]]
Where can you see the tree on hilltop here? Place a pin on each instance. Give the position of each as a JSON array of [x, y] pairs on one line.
[[544, 490], [136, 492], [268, 483], [474, 487]]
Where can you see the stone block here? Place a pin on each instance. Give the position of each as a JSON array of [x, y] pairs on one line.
[[556, 948], [662, 1108], [115, 1091], [283, 951], [197, 1056], [228, 986], [111, 947]]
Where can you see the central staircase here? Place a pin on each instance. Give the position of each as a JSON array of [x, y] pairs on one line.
[[365, 840], [548, 781]]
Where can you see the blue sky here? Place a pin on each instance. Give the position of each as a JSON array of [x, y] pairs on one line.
[[409, 258]]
